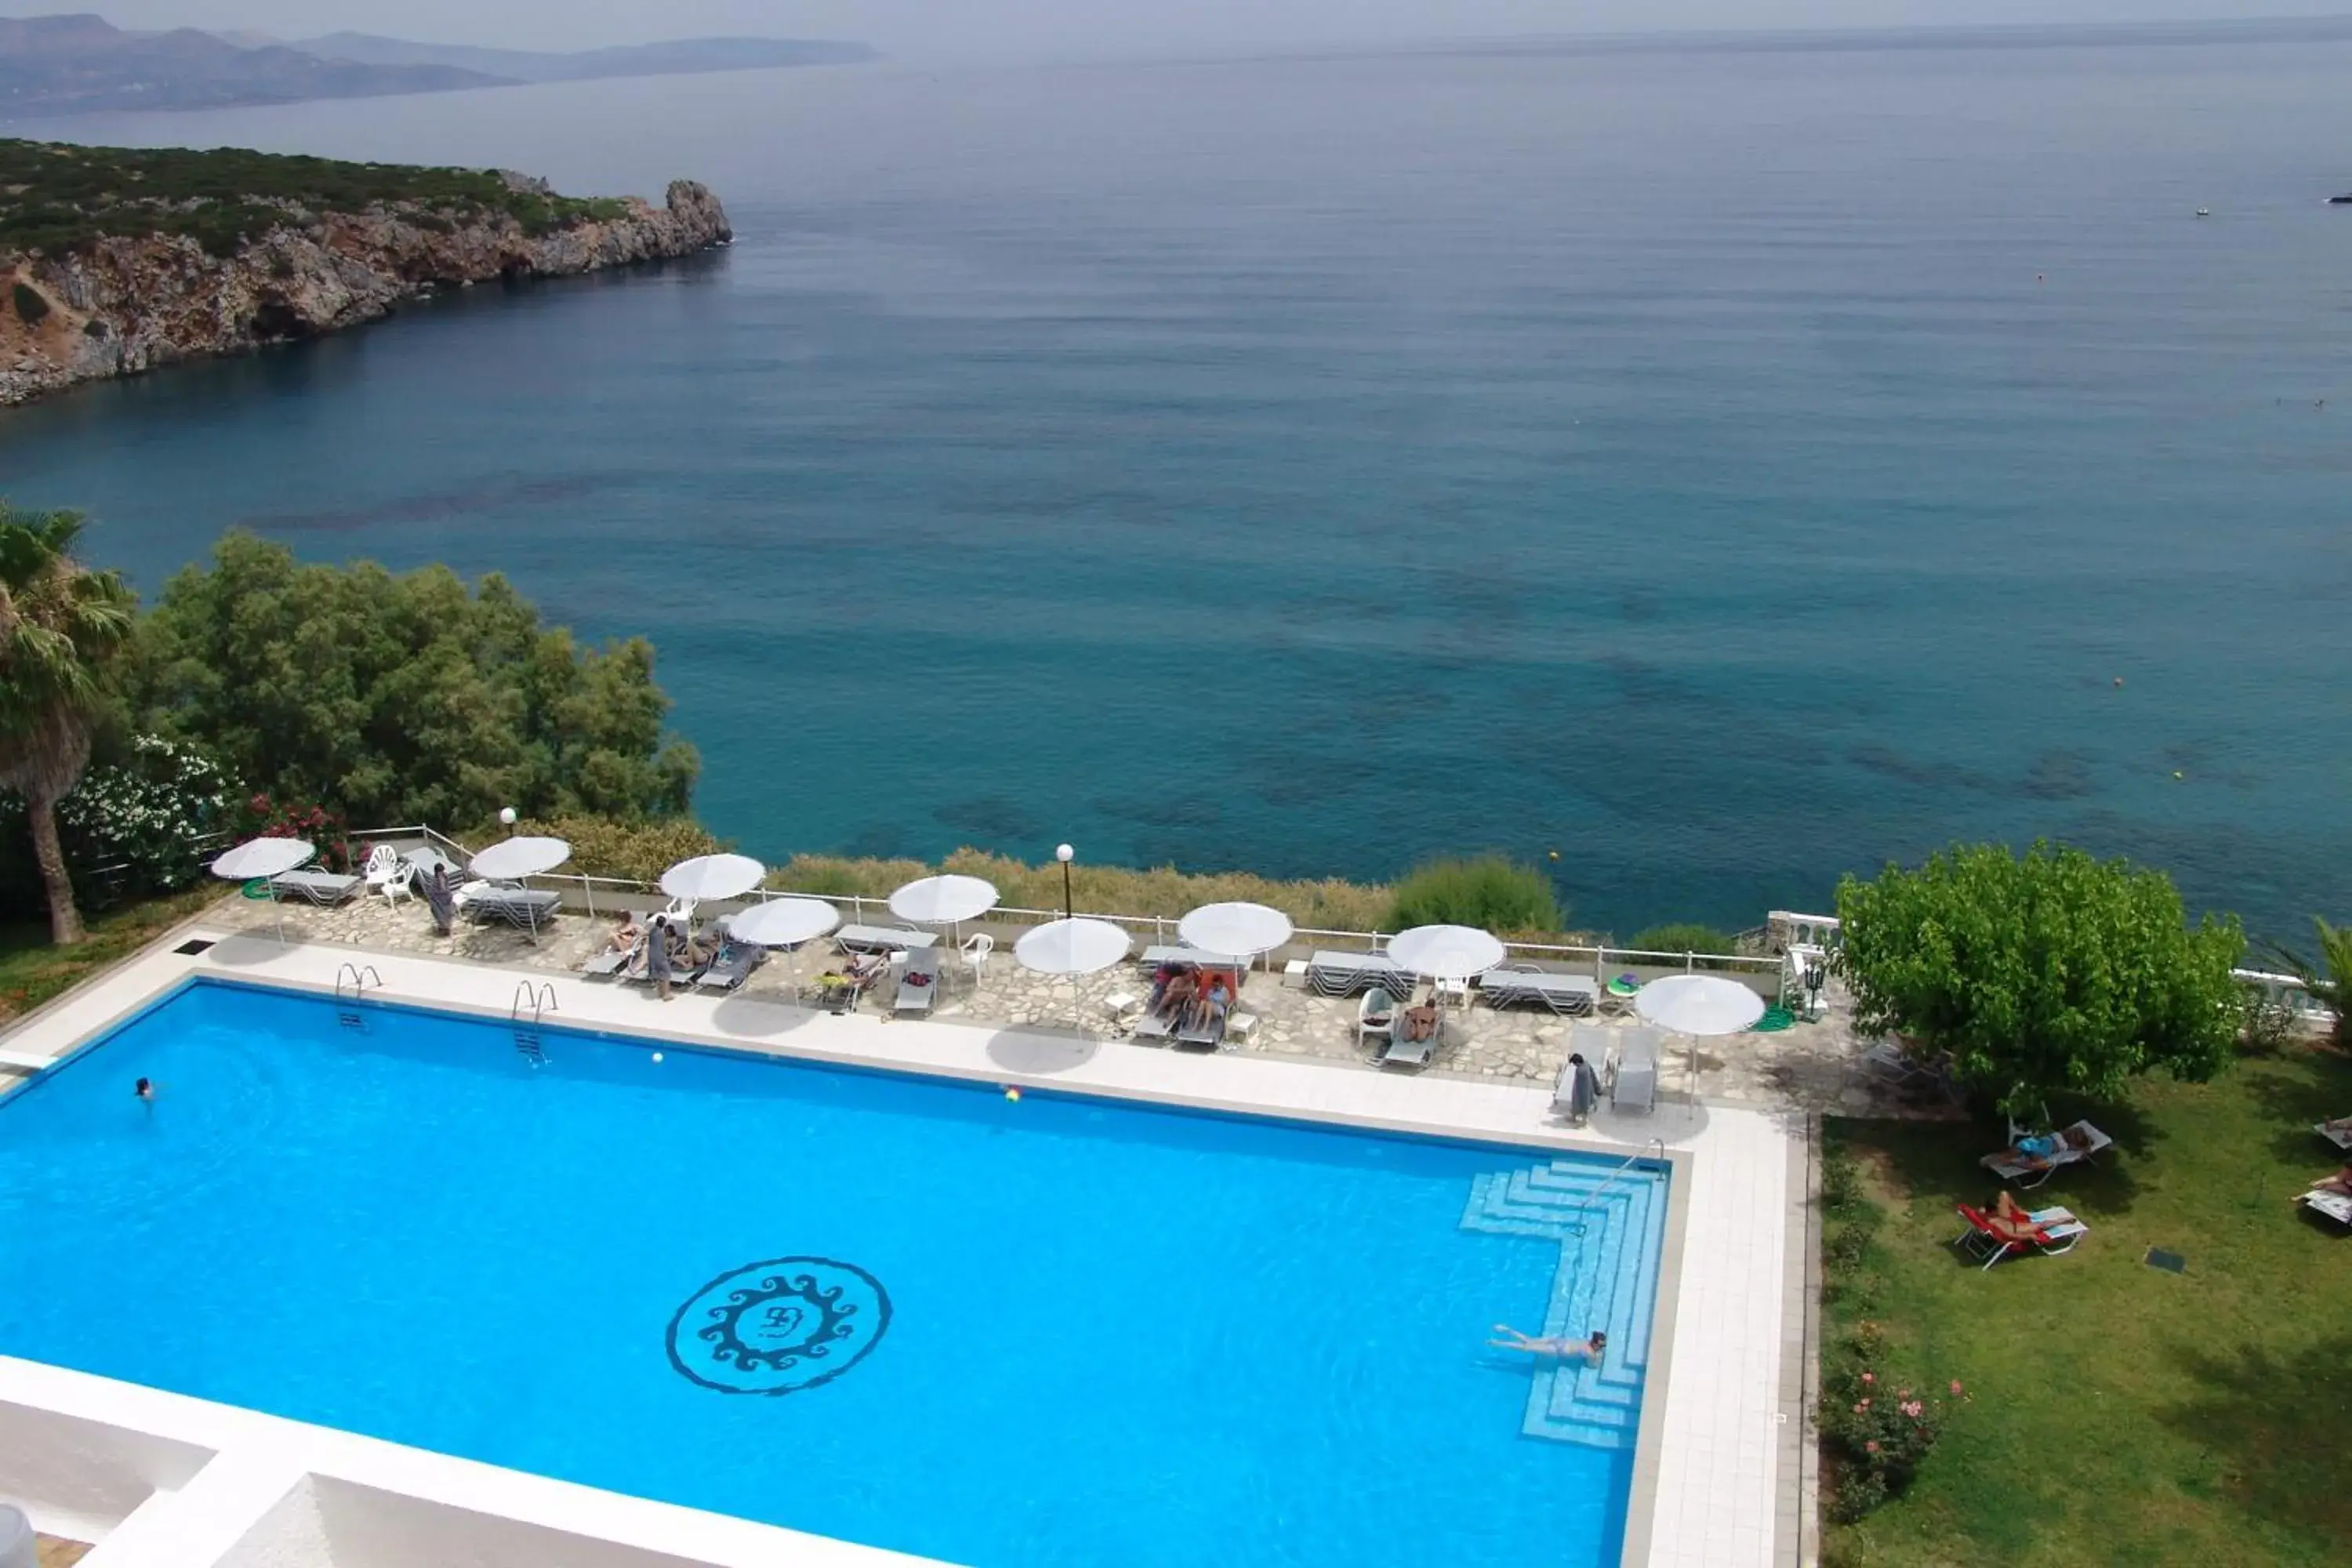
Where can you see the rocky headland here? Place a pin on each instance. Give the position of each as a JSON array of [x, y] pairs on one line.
[[117, 287]]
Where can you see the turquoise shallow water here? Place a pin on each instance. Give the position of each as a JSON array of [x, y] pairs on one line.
[[1060, 1332], [1725, 469]]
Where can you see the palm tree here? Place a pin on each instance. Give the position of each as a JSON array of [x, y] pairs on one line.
[[2329, 981], [59, 623]]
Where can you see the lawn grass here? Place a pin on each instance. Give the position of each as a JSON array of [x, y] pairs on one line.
[[32, 970], [2116, 1414]]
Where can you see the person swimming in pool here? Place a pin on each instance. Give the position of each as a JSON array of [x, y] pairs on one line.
[[145, 1090], [1561, 1349]]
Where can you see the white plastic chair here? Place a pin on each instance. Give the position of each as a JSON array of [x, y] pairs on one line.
[[388, 874], [976, 948]]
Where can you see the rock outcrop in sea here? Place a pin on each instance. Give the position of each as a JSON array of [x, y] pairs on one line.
[[121, 306]]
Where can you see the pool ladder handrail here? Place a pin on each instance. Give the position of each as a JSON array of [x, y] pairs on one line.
[[526, 1032], [1589, 1199], [362, 976]]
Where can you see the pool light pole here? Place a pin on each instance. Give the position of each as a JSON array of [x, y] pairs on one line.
[[1065, 854], [507, 815]]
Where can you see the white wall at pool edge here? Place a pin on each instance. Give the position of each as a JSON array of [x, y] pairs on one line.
[[162, 1481]]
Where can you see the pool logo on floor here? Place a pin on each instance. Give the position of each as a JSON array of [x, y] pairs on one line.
[[779, 1327]]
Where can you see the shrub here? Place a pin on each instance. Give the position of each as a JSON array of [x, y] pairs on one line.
[[1876, 1427], [1683, 936], [2266, 1024], [260, 816], [149, 811], [1489, 893], [30, 307], [638, 851]]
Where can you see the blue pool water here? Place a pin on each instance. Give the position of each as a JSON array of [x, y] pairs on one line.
[[1113, 1335]]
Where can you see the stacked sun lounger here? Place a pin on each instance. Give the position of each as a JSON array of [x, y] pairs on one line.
[[1345, 974], [319, 887], [528, 907], [1574, 995]]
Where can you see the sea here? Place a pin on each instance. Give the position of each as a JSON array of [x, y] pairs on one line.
[[1698, 471]]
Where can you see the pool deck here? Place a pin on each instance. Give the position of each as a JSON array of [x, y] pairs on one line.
[[1719, 1472]]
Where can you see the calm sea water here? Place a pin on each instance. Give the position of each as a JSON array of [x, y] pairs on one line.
[[1725, 470]]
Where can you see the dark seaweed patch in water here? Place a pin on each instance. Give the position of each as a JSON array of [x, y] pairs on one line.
[[990, 819], [2058, 775], [490, 495]]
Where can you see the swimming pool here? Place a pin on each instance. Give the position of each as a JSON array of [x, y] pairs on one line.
[[887, 1308]]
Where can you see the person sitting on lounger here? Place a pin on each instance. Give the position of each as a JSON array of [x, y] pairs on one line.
[[1561, 1349], [626, 935], [1213, 996], [1161, 979], [1176, 996], [2008, 1222], [1421, 1021]]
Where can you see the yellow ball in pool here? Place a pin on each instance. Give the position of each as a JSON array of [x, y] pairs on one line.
[[1014, 1095]]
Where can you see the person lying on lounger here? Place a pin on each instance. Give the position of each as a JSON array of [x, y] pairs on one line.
[[2341, 1182], [1561, 1349], [2041, 1153], [626, 935]]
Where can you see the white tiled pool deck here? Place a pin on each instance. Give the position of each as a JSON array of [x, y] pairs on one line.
[[1716, 1483]]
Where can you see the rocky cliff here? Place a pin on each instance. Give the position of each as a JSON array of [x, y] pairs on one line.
[[117, 306]]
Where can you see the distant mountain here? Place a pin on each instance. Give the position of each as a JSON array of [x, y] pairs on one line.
[[80, 64], [681, 57]]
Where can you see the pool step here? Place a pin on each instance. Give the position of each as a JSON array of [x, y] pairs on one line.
[[528, 1047], [1594, 1215]]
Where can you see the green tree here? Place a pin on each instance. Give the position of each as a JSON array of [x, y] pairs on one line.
[[61, 623], [400, 699], [2052, 970], [2329, 980]]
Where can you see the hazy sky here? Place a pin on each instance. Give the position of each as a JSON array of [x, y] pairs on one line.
[[947, 29]]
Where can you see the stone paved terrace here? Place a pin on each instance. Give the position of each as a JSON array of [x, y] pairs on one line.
[[1808, 1067]]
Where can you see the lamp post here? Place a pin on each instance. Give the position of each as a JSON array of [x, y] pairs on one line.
[[1065, 854], [506, 815]]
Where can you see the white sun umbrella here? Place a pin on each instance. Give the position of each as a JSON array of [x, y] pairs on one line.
[[713, 877], [1072, 947], [1698, 1004], [784, 922], [1235, 931], [1445, 953], [512, 859], [268, 858], [943, 900]]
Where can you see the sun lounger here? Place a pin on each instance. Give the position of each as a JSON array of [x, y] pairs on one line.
[[2055, 1230], [528, 907], [1634, 1069], [2028, 1172], [2333, 1205], [1345, 974], [1206, 1037], [1575, 995], [319, 887], [733, 966], [1153, 957], [883, 938], [1400, 1051], [606, 962], [2340, 1136], [918, 983]]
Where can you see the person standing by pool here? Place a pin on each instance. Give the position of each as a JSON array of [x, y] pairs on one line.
[[1561, 1349], [657, 957], [1583, 1089]]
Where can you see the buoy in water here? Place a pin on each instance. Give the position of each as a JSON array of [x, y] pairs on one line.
[[2119, 681], [2177, 774]]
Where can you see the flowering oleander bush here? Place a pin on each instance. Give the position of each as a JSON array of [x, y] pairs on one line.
[[151, 811], [1877, 1426], [260, 816]]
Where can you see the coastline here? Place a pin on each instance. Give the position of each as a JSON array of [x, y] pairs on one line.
[[121, 307]]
